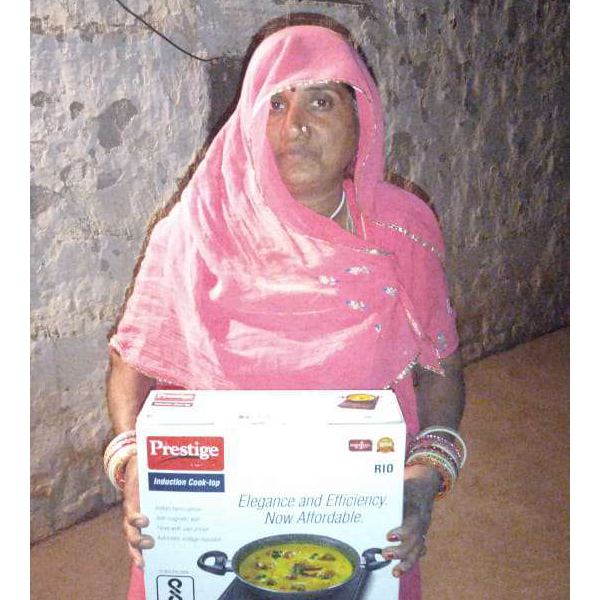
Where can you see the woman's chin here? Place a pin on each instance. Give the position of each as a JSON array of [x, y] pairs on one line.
[[303, 184]]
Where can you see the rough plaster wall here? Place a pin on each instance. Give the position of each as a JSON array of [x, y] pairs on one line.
[[476, 100]]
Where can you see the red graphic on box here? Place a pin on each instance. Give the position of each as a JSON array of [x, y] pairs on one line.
[[360, 445], [171, 399], [185, 453]]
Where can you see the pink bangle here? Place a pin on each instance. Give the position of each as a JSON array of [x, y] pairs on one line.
[[440, 429], [438, 444]]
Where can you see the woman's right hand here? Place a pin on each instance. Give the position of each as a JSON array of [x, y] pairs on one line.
[[133, 520]]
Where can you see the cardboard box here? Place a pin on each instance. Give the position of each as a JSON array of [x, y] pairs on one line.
[[221, 470]]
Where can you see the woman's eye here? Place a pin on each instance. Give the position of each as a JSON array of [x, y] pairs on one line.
[[322, 102], [276, 104]]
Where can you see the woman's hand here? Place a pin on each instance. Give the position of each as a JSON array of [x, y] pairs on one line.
[[421, 484], [134, 520], [127, 391]]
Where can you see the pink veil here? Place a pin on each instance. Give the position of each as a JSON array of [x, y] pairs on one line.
[[242, 287]]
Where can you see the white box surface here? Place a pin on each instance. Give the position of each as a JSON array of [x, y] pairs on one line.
[[221, 469]]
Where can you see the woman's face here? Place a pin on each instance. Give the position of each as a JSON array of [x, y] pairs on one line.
[[313, 131]]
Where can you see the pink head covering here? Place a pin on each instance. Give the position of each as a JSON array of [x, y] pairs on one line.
[[242, 287]]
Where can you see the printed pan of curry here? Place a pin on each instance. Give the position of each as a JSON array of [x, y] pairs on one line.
[[298, 566]]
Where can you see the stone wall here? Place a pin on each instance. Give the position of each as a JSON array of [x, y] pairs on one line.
[[476, 105]]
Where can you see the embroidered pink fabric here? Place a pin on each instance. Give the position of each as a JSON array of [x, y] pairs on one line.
[[242, 287]]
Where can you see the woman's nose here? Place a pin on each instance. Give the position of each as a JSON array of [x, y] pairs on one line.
[[295, 122]]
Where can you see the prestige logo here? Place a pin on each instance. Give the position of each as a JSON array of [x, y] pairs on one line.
[[186, 453], [360, 445]]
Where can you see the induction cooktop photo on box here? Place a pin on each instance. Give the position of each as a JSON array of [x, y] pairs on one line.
[[270, 494]]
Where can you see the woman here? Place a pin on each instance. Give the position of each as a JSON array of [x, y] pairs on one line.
[[289, 263]]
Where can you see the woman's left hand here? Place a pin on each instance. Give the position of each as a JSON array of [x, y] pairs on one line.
[[421, 484]]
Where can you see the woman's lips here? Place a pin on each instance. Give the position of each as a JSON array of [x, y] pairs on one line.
[[297, 153]]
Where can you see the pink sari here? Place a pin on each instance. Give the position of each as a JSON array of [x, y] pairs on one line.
[[242, 287]]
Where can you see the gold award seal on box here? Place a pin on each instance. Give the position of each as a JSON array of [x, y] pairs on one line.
[[385, 444]]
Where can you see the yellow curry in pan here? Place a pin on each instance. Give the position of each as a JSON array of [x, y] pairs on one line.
[[295, 567]]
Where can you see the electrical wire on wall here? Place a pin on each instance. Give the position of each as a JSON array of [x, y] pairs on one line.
[[163, 36], [210, 59]]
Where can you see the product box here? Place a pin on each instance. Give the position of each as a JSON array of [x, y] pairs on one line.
[[270, 494]]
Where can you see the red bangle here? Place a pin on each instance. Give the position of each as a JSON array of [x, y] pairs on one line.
[[431, 461]]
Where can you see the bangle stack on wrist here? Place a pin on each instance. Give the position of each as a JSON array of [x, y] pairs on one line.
[[117, 453], [434, 450]]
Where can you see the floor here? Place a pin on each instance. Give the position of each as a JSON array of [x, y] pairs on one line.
[[502, 533]]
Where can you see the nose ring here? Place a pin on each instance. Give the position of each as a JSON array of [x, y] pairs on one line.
[[304, 129]]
